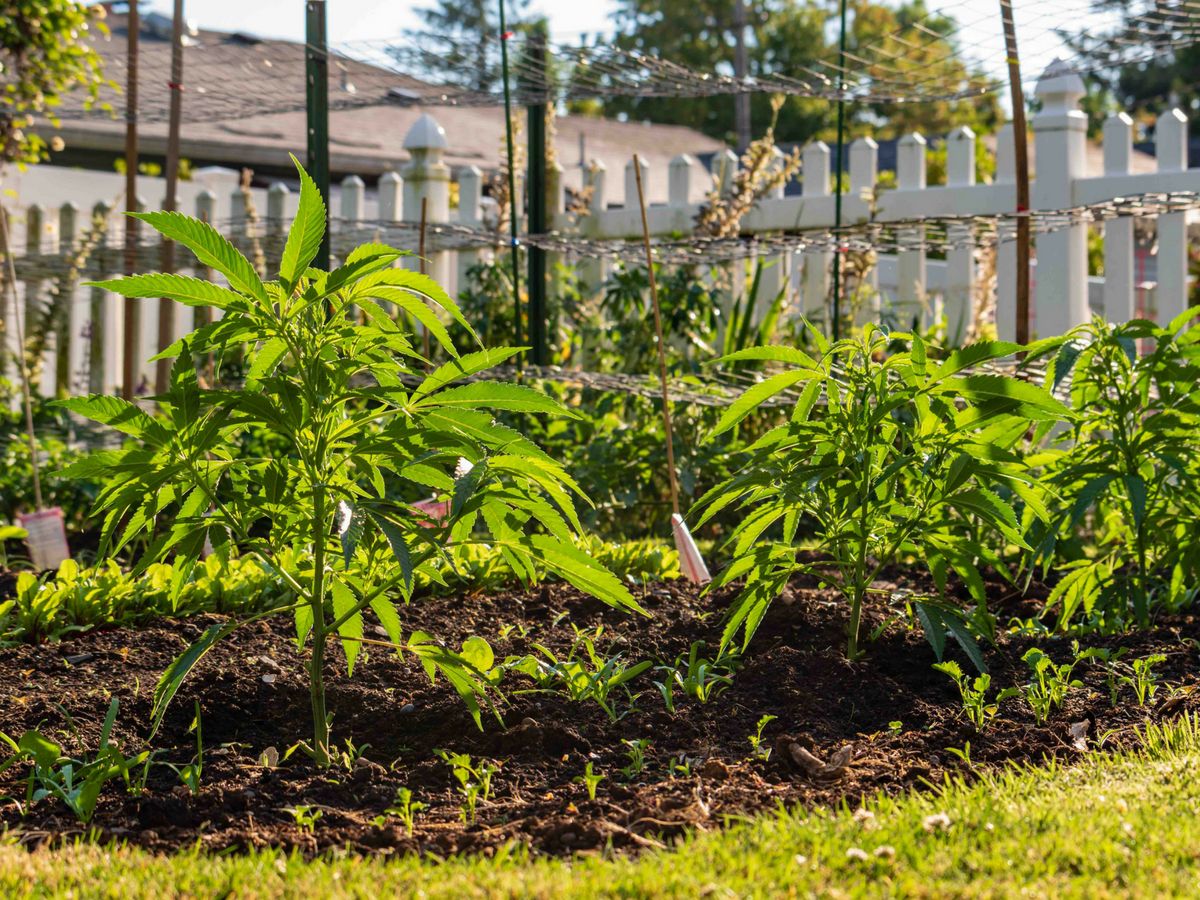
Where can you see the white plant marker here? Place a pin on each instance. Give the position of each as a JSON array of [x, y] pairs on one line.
[[690, 561]]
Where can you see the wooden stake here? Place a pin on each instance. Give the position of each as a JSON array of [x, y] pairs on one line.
[[1021, 159], [132, 317], [662, 352], [166, 308], [22, 362], [422, 263]]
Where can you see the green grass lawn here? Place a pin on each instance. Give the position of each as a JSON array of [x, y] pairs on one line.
[[1114, 825]]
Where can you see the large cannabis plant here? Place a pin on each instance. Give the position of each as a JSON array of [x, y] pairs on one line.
[[334, 378]]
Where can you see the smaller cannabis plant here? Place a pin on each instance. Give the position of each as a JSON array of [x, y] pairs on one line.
[[334, 379], [889, 453], [1123, 534]]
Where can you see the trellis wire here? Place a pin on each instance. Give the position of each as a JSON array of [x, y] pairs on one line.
[[234, 79]]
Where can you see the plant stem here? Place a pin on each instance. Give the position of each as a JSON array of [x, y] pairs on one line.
[[316, 675]]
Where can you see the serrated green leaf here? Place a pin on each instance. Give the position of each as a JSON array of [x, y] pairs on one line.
[[495, 395], [211, 249], [307, 230], [180, 288], [755, 396], [351, 630]]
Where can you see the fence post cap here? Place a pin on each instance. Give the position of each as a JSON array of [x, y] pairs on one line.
[[865, 142], [1060, 87], [426, 134], [913, 139]]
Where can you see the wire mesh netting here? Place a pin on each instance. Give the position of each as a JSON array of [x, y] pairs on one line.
[[235, 76]]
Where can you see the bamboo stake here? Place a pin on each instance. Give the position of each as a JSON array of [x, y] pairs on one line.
[[690, 560], [662, 353], [132, 310], [166, 308], [422, 263], [512, 183], [1021, 160], [22, 362]]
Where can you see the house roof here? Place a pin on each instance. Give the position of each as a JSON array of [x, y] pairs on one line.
[[243, 105]]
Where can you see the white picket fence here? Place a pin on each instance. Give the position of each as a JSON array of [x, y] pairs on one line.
[[87, 341]]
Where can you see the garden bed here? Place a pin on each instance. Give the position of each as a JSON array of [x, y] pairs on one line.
[[897, 714]]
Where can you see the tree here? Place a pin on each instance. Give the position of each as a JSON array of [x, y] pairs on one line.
[[790, 38], [44, 55], [1159, 73], [456, 35]]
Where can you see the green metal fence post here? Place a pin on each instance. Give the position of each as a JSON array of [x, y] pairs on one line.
[[316, 71]]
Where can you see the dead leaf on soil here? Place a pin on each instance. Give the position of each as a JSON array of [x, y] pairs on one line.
[[815, 767], [1079, 733]]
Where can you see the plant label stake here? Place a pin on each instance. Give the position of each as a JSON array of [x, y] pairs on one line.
[[690, 560], [46, 537], [45, 534]]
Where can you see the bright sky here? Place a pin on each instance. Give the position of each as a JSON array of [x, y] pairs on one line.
[[355, 20]]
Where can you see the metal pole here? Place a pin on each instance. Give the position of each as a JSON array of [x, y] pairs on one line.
[[1021, 159], [741, 100], [132, 309], [166, 308], [837, 190], [316, 65], [536, 204], [512, 181]]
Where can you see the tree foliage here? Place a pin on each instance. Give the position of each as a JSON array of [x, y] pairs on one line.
[[44, 54], [459, 33], [785, 37], [1156, 82]]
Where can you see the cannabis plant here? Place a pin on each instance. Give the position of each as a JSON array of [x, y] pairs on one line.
[[333, 376], [889, 454], [1126, 472]]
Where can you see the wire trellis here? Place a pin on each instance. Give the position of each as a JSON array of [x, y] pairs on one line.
[[232, 77], [937, 234]]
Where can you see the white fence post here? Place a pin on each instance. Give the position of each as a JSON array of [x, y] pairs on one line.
[[776, 272], [593, 271], [1170, 148], [864, 172], [470, 215], [1118, 233], [1060, 139], [391, 204], [35, 241], [277, 195], [679, 180], [68, 330], [105, 325], [911, 295], [815, 293], [959, 288], [428, 177]]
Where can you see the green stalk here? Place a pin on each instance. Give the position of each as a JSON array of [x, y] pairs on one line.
[[860, 563], [316, 674]]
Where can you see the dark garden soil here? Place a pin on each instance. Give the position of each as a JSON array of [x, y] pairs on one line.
[[253, 696]]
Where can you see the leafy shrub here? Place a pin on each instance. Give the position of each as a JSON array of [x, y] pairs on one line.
[[317, 376], [1127, 471], [886, 455]]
